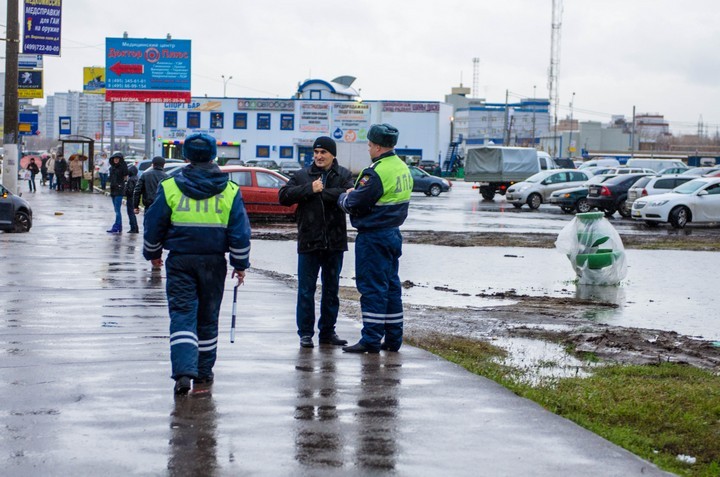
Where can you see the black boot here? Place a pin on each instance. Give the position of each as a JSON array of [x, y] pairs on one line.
[[359, 348], [182, 385]]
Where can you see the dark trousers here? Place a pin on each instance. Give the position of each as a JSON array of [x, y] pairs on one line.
[[131, 214], [195, 285], [309, 265], [377, 262]]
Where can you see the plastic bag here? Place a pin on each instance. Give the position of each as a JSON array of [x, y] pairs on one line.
[[594, 248]]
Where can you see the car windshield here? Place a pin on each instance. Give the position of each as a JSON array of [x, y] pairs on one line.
[[689, 187], [642, 182], [696, 171], [537, 177]]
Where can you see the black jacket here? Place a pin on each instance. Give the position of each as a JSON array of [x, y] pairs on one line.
[[321, 223], [118, 175], [147, 186], [131, 183]]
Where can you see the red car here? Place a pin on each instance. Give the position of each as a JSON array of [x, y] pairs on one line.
[[260, 190]]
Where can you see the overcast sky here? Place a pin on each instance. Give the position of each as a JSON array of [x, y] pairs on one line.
[[658, 55]]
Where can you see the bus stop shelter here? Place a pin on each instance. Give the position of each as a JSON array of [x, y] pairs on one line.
[[87, 146]]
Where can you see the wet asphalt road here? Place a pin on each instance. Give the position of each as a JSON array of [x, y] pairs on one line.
[[85, 386]]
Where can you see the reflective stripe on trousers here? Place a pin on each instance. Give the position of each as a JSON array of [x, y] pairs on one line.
[[377, 261]]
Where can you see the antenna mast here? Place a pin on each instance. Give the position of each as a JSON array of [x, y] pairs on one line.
[[476, 77]]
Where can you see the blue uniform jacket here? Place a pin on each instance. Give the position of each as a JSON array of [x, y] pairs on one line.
[[199, 182], [360, 204]]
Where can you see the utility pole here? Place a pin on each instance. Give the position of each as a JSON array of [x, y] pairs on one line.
[[506, 132], [533, 116], [632, 135], [10, 135], [570, 144], [553, 95]]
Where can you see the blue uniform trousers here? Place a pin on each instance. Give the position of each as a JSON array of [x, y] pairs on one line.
[[195, 285], [377, 260], [309, 265]]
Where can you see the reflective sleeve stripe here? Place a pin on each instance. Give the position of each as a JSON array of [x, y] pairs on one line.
[[240, 250], [183, 341], [383, 315], [207, 348], [207, 342], [153, 247], [184, 333], [240, 257], [381, 322], [384, 204]]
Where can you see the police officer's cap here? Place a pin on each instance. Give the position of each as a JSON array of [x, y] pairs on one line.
[[199, 148], [383, 135]]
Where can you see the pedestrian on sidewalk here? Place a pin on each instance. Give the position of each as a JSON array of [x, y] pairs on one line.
[[322, 239], [33, 169], [103, 166], [147, 185], [129, 206], [199, 216], [43, 169], [118, 176], [378, 206], [61, 167], [51, 171], [76, 171]]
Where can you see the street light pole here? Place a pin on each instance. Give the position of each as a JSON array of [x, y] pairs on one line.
[[225, 82], [570, 145], [10, 135]]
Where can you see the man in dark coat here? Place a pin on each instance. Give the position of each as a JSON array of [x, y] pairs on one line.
[[322, 239], [61, 167], [118, 176], [147, 185]]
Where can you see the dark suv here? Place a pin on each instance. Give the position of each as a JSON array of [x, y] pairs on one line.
[[611, 195], [15, 212]]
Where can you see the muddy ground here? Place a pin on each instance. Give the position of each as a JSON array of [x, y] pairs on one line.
[[556, 319]]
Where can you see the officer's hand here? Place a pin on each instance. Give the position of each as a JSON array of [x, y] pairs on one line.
[[317, 186], [157, 262], [349, 190], [240, 275], [137, 211]]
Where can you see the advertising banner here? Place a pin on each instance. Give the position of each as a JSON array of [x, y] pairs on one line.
[[147, 70], [122, 128], [30, 84], [408, 107], [28, 124], [351, 121], [41, 27], [315, 117], [94, 80]]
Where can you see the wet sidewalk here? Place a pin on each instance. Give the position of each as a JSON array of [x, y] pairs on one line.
[[85, 384]]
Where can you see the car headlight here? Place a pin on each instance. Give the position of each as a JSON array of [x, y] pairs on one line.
[[522, 188], [658, 203], [446, 182]]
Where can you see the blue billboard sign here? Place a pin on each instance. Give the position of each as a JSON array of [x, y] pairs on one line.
[[147, 70], [65, 125], [41, 27], [28, 124]]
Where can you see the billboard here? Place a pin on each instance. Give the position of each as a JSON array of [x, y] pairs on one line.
[[41, 27], [147, 70], [94, 80], [30, 84], [122, 128]]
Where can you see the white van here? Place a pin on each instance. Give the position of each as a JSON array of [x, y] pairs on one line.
[[656, 164], [601, 162]]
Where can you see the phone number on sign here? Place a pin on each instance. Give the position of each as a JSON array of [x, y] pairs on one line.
[[40, 48]]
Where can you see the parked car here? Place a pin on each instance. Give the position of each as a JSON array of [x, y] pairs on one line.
[[427, 165], [260, 190], [611, 195], [600, 162], [146, 164], [565, 163], [172, 169], [428, 184], [672, 170], [537, 188], [695, 201], [653, 185], [698, 171], [267, 164], [599, 171], [15, 212], [575, 198], [631, 170], [288, 168], [656, 164], [250, 162]]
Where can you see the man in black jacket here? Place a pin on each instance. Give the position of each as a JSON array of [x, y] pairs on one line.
[[322, 239], [147, 184]]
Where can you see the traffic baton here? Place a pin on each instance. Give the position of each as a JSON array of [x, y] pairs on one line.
[[234, 314]]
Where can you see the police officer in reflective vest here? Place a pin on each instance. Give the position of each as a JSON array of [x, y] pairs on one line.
[[378, 206], [198, 216]]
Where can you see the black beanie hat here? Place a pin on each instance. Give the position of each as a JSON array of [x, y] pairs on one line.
[[326, 143], [383, 135], [158, 161]]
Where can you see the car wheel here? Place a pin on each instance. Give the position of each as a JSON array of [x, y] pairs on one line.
[[679, 217], [22, 222], [566, 209], [582, 206], [534, 201], [487, 194], [435, 190], [624, 209], [609, 212]]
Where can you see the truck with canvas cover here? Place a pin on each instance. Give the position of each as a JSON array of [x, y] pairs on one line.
[[497, 168]]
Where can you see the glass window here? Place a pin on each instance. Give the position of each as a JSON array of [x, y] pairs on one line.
[[262, 151], [287, 122], [193, 120], [269, 180], [241, 178], [170, 119], [665, 184], [240, 121], [286, 152], [263, 121], [217, 120], [714, 189]]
